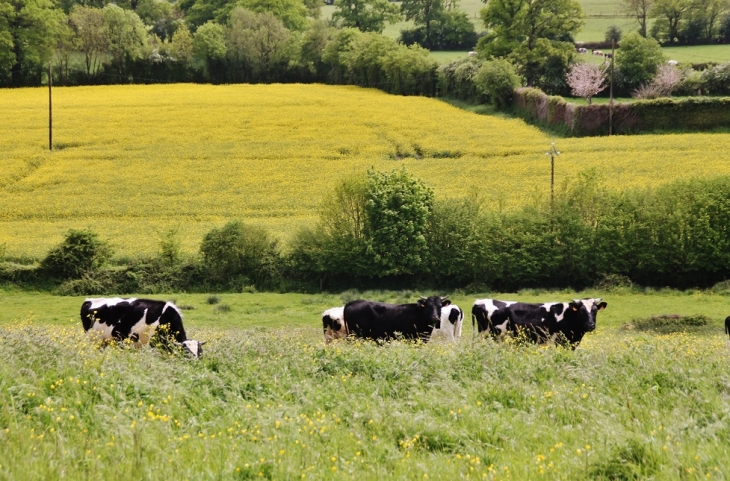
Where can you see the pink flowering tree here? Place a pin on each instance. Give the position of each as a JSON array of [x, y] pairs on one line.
[[586, 80]]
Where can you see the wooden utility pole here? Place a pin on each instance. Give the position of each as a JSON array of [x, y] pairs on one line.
[[610, 102], [50, 106], [553, 152]]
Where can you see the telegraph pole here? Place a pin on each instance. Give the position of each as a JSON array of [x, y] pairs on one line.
[[552, 153], [50, 106], [610, 102]]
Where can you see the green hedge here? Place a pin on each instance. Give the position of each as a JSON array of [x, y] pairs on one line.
[[698, 113]]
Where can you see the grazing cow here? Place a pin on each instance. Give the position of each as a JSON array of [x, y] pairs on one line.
[[562, 322], [136, 320], [333, 323], [582, 50], [381, 321], [597, 52], [473, 54], [673, 63], [608, 55], [452, 319]]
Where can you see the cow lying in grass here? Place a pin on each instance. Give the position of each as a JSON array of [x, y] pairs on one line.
[[137, 320]]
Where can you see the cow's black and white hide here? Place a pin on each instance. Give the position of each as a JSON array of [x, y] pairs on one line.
[[333, 324], [137, 320], [452, 320], [564, 323], [381, 321]]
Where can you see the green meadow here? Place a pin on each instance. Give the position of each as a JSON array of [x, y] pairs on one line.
[[270, 401]]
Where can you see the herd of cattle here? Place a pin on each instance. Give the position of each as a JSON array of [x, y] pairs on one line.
[[563, 323]]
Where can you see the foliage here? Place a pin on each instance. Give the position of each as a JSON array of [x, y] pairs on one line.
[[259, 45], [638, 59], [586, 80], [450, 31], [457, 79], [366, 15], [716, 80], [29, 32], [80, 253], [545, 65], [238, 254], [639, 9], [398, 206], [666, 80], [613, 33], [424, 13], [497, 79]]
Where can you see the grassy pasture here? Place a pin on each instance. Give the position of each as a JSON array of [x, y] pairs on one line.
[[132, 161], [272, 402]]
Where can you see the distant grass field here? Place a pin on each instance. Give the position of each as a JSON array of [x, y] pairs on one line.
[[270, 401], [133, 161]]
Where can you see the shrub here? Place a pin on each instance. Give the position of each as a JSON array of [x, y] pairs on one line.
[[669, 323], [238, 254], [498, 79], [80, 253], [638, 59], [457, 79], [716, 80]]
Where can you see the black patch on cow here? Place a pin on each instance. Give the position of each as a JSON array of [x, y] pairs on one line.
[[454, 315], [381, 321]]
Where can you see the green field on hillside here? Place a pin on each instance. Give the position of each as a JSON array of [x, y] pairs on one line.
[[132, 162]]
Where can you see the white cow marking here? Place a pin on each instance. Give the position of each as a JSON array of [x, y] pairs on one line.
[[193, 347], [502, 327], [107, 301], [336, 314], [143, 330]]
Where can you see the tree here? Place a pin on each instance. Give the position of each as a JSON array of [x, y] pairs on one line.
[[209, 46], [613, 34], [80, 253], [638, 59], [366, 15], [363, 58], [181, 46], [639, 9], [258, 42], [409, 71], [398, 207], [526, 21], [534, 34], [423, 12], [586, 80], [29, 31], [669, 15], [544, 65], [239, 254], [498, 80], [292, 12], [90, 36], [127, 36]]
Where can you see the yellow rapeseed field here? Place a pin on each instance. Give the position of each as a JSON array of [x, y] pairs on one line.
[[133, 161]]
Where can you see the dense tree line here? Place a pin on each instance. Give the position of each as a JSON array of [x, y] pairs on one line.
[[682, 22], [220, 41], [388, 230]]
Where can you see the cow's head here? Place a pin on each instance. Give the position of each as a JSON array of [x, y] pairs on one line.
[[194, 348], [431, 309], [587, 310]]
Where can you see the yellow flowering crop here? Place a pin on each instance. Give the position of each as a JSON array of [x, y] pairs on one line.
[[131, 162]]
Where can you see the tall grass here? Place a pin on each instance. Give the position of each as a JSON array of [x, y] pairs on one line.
[[277, 404]]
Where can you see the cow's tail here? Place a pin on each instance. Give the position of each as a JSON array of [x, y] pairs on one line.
[[727, 326], [473, 327]]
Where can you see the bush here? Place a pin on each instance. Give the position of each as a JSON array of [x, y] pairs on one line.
[[498, 79], [669, 323], [238, 254], [79, 254], [457, 80], [716, 80], [638, 59]]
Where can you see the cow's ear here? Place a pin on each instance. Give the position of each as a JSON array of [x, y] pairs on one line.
[[446, 303], [421, 302], [602, 306], [574, 305]]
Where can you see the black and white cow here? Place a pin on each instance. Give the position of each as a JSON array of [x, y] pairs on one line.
[[452, 319], [135, 319], [727, 325], [333, 324], [381, 321], [564, 323]]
